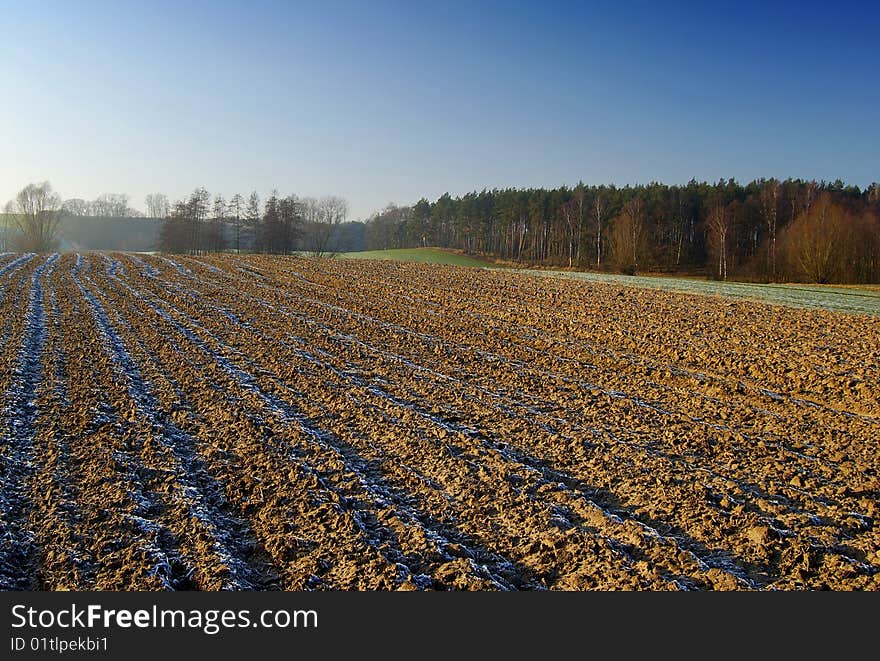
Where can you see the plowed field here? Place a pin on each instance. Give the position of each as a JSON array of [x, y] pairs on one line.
[[284, 423]]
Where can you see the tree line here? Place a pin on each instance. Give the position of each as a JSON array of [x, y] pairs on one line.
[[32, 220], [281, 225], [199, 223], [108, 205], [766, 230]]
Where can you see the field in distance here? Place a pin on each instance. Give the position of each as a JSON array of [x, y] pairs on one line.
[[254, 422], [857, 299], [422, 255]]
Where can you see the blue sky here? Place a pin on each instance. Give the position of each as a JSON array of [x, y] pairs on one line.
[[389, 101]]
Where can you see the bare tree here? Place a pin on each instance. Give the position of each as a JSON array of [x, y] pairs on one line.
[[113, 205], [680, 227], [198, 207], [628, 236], [329, 212], [579, 199], [76, 207], [236, 207], [719, 225], [569, 211], [252, 215], [219, 208], [599, 210], [157, 205], [309, 210], [810, 195], [815, 241], [35, 212], [769, 210]]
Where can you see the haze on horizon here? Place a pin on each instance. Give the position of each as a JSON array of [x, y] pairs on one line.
[[392, 101]]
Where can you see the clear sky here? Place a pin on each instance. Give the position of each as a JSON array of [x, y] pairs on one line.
[[389, 101]]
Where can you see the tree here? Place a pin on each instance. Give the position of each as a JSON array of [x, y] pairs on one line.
[[219, 208], [599, 210], [579, 199], [198, 210], [386, 228], [329, 213], [680, 225], [236, 207], [628, 237], [112, 205], [76, 207], [280, 226], [252, 216], [216, 241], [36, 214], [175, 235], [157, 205], [569, 212], [268, 237], [719, 224], [873, 194], [290, 222], [816, 240], [769, 211]]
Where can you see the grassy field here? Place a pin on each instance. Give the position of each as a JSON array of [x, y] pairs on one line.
[[424, 255]]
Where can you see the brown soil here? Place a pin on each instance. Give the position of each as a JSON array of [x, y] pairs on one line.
[[284, 423]]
